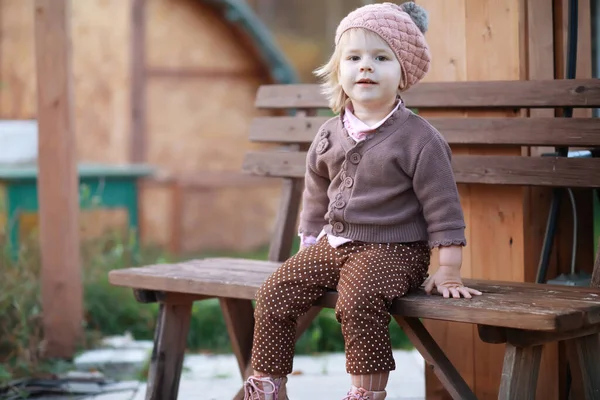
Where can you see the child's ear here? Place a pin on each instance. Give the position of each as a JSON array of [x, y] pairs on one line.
[[403, 79]]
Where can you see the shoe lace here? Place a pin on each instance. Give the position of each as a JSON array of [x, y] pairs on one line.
[[252, 389], [357, 394]]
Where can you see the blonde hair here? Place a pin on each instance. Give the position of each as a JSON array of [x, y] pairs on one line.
[[330, 71]]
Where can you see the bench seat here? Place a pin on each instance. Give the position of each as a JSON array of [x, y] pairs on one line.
[[505, 304]]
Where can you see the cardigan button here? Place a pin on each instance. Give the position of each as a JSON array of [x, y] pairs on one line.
[[325, 134], [348, 181], [338, 227], [340, 204], [355, 158], [322, 146]]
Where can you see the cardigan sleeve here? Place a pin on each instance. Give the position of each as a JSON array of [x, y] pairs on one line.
[[435, 187], [314, 198]]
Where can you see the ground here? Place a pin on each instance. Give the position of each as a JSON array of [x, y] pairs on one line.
[[217, 377]]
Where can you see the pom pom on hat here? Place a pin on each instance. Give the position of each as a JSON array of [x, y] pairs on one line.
[[417, 14], [402, 27]]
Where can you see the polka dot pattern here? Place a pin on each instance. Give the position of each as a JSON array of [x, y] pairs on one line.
[[367, 276]]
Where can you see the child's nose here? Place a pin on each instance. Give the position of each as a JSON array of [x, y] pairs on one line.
[[366, 67]]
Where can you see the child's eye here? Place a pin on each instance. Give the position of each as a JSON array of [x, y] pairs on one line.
[[353, 58], [381, 58]]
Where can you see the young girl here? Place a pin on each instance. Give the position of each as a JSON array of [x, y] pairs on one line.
[[379, 194]]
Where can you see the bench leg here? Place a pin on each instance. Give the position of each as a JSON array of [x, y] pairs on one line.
[[520, 372], [584, 353], [169, 346], [435, 357], [239, 318]]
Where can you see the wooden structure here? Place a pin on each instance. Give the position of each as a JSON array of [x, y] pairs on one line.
[[520, 316], [160, 74], [59, 230], [158, 89], [517, 34], [496, 41]]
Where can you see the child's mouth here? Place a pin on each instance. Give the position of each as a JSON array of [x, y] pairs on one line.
[[366, 82]]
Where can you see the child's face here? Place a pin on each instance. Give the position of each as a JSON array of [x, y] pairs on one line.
[[369, 72]]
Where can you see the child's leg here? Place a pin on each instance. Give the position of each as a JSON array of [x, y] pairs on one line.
[[287, 294], [371, 278], [373, 382]]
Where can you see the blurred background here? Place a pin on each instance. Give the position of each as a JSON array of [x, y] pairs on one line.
[[172, 85], [163, 98]]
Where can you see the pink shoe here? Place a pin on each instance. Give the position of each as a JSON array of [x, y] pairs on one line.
[[265, 388], [356, 393]]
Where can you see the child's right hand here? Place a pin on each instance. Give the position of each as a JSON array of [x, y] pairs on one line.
[[447, 282]]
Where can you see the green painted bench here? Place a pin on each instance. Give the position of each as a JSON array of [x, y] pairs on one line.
[[101, 186]]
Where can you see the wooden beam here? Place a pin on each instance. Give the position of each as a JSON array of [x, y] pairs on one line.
[[137, 150], [572, 132], [57, 181], [476, 94], [494, 170]]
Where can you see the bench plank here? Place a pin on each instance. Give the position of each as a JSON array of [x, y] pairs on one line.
[[501, 305], [575, 132], [488, 94], [498, 170]]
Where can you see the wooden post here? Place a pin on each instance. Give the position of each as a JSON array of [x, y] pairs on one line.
[[540, 65], [57, 180], [137, 150]]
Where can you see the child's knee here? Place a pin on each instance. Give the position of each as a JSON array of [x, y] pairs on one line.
[[274, 300], [267, 297], [361, 304]]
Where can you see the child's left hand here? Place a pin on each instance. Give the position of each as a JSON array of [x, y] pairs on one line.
[[446, 281]]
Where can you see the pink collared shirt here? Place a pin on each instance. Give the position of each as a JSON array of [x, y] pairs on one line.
[[358, 131]]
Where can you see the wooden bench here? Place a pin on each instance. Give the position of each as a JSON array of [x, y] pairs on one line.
[[522, 315]]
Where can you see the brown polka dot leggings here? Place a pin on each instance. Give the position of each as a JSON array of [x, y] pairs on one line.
[[367, 276]]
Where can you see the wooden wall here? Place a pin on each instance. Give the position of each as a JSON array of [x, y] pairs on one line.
[[502, 40], [200, 83]]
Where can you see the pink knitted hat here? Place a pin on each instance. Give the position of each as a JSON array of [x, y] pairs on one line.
[[402, 27]]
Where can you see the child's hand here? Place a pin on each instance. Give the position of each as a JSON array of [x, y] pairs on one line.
[[446, 281]]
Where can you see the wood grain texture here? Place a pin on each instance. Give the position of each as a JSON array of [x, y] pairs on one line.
[[521, 306], [62, 292], [521, 338], [488, 131], [476, 94], [166, 362], [584, 353], [540, 66], [239, 318], [289, 208], [485, 169], [520, 372], [137, 149]]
